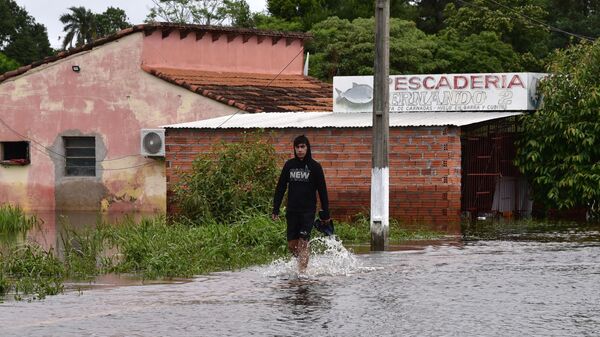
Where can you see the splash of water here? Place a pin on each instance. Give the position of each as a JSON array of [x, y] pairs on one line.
[[328, 257]]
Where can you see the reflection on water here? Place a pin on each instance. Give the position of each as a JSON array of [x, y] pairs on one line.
[[478, 288], [53, 223]]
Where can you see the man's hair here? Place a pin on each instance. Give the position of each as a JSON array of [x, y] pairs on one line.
[[301, 140]]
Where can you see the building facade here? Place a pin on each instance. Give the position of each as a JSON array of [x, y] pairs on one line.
[[70, 124], [451, 144], [425, 158]]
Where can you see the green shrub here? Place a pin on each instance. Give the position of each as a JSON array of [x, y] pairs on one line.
[[559, 148], [13, 219], [155, 248], [236, 178], [359, 231], [28, 269], [84, 252], [4, 285]]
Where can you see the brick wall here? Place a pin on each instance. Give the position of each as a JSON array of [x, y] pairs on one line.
[[425, 167]]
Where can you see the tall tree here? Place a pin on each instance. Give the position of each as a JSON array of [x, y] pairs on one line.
[[341, 47], [177, 11], [483, 52], [12, 17], [579, 17], [559, 149], [269, 22], [21, 38], [203, 12], [309, 12], [111, 21], [516, 22], [238, 12], [430, 17], [80, 26], [83, 26], [31, 44]]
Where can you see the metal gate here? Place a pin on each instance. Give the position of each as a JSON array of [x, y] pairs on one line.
[[488, 151]]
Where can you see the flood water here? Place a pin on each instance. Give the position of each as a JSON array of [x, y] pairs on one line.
[[543, 284]]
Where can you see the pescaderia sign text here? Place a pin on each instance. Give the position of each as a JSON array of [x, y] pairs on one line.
[[444, 92]]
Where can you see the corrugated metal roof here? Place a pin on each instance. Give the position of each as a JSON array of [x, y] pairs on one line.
[[339, 120]]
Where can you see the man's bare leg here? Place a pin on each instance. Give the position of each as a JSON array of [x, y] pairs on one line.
[[303, 254], [293, 247]]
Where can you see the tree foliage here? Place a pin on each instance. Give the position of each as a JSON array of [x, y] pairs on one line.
[[430, 18], [341, 47], [309, 12], [267, 22], [581, 17], [238, 12], [82, 26], [203, 12], [7, 64], [111, 21], [306, 12], [239, 178], [482, 52], [21, 38], [515, 22], [560, 146]]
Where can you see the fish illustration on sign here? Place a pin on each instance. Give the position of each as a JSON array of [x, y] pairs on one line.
[[535, 97], [358, 94]]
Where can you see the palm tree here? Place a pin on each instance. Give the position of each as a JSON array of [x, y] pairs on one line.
[[80, 25]]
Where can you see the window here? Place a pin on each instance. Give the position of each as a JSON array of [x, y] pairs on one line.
[[80, 153], [15, 153]]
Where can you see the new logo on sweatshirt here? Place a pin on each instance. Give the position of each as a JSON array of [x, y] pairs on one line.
[[301, 175]]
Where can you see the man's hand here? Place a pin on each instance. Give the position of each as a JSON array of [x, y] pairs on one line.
[[275, 217]]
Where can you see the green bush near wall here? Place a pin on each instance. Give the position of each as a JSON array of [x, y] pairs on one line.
[[234, 179], [13, 219]]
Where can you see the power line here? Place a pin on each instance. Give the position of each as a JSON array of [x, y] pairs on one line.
[[49, 152], [552, 28], [54, 152], [30, 139], [268, 84], [536, 21], [43, 150], [136, 155]]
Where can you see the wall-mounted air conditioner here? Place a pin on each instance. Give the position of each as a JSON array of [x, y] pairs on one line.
[[152, 142]]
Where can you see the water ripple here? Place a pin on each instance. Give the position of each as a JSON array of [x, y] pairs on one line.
[[482, 288]]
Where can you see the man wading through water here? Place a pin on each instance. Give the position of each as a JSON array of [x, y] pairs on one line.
[[303, 177]]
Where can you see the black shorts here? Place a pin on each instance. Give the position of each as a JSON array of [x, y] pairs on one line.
[[299, 225]]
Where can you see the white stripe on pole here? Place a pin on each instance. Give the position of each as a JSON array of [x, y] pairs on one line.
[[380, 191]]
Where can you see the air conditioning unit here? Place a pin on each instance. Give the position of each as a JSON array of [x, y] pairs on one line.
[[152, 142]]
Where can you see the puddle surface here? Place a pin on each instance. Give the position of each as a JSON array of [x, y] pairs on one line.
[[475, 288]]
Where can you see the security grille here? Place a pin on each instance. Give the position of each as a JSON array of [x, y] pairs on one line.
[[488, 152], [80, 153]]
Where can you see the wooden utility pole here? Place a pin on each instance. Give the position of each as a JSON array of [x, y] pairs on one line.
[[380, 178]]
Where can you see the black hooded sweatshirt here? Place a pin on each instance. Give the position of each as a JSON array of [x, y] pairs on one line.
[[303, 178]]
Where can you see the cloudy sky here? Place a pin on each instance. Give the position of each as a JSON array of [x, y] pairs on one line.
[[47, 12]]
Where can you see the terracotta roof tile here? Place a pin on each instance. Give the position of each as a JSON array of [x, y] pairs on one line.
[[253, 92]]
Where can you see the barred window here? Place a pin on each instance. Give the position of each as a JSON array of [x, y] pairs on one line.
[[80, 153]]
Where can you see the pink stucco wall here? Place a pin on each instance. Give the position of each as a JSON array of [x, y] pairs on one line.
[[256, 55], [111, 98]]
